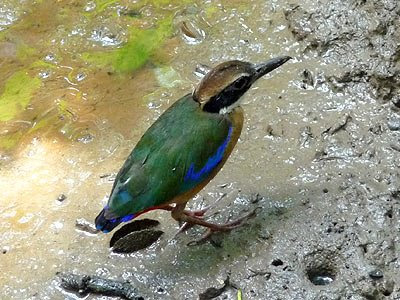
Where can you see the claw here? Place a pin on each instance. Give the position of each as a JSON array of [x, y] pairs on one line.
[[192, 213], [224, 227]]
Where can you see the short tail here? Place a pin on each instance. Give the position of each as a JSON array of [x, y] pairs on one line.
[[106, 224]]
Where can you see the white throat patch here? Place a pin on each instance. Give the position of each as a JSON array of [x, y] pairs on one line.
[[228, 109]]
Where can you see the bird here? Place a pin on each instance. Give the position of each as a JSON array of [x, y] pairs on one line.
[[185, 148]]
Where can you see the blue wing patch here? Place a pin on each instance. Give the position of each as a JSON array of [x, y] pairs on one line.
[[211, 163]]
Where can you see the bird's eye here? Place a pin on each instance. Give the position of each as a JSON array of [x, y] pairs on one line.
[[240, 83]]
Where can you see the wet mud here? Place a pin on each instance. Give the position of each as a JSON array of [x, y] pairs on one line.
[[319, 151], [345, 232]]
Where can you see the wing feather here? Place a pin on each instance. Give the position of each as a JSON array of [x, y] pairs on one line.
[[179, 151]]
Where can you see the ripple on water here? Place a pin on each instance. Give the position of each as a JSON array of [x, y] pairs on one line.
[[107, 36], [8, 15]]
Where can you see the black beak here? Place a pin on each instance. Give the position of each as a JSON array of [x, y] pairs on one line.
[[272, 64]]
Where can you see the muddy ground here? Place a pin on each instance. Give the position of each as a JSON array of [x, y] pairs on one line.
[[319, 153], [347, 226]]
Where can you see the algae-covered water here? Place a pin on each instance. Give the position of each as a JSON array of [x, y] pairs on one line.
[[81, 81]]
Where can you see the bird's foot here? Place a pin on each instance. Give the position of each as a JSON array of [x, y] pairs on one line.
[[198, 214], [212, 228], [192, 213]]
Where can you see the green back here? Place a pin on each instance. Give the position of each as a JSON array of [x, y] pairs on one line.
[[176, 153]]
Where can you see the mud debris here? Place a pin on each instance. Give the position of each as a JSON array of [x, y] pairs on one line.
[[85, 226], [360, 35], [308, 79], [61, 197], [376, 274], [255, 273], [85, 284], [341, 125], [214, 292], [394, 124]]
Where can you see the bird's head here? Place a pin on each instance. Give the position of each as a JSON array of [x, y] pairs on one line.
[[222, 87]]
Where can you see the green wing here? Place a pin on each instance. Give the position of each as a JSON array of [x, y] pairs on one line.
[[176, 153]]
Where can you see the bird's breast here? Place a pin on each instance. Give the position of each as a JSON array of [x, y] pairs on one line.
[[236, 118]]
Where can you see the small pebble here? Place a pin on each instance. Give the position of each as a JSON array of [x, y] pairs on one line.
[[131, 13], [308, 78], [321, 280], [80, 76], [201, 70], [61, 197], [396, 101], [376, 274], [277, 262], [394, 124]]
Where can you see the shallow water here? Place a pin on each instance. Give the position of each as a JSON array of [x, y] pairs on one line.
[[87, 97]]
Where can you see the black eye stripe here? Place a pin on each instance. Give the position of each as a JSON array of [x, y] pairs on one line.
[[228, 96], [240, 83]]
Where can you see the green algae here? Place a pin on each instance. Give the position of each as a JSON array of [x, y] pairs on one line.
[[9, 141], [163, 3], [62, 106], [3, 35], [142, 43], [211, 11], [25, 52], [52, 119], [40, 64], [101, 5], [45, 122], [142, 46], [17, 94]]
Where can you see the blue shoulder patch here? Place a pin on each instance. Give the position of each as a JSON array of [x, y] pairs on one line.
[[211, 163]]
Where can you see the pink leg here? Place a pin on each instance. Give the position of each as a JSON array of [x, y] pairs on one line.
[[193, 213], [179, 214]]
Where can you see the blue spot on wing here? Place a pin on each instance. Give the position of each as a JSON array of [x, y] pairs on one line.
[[124, 195], [211, 163]]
